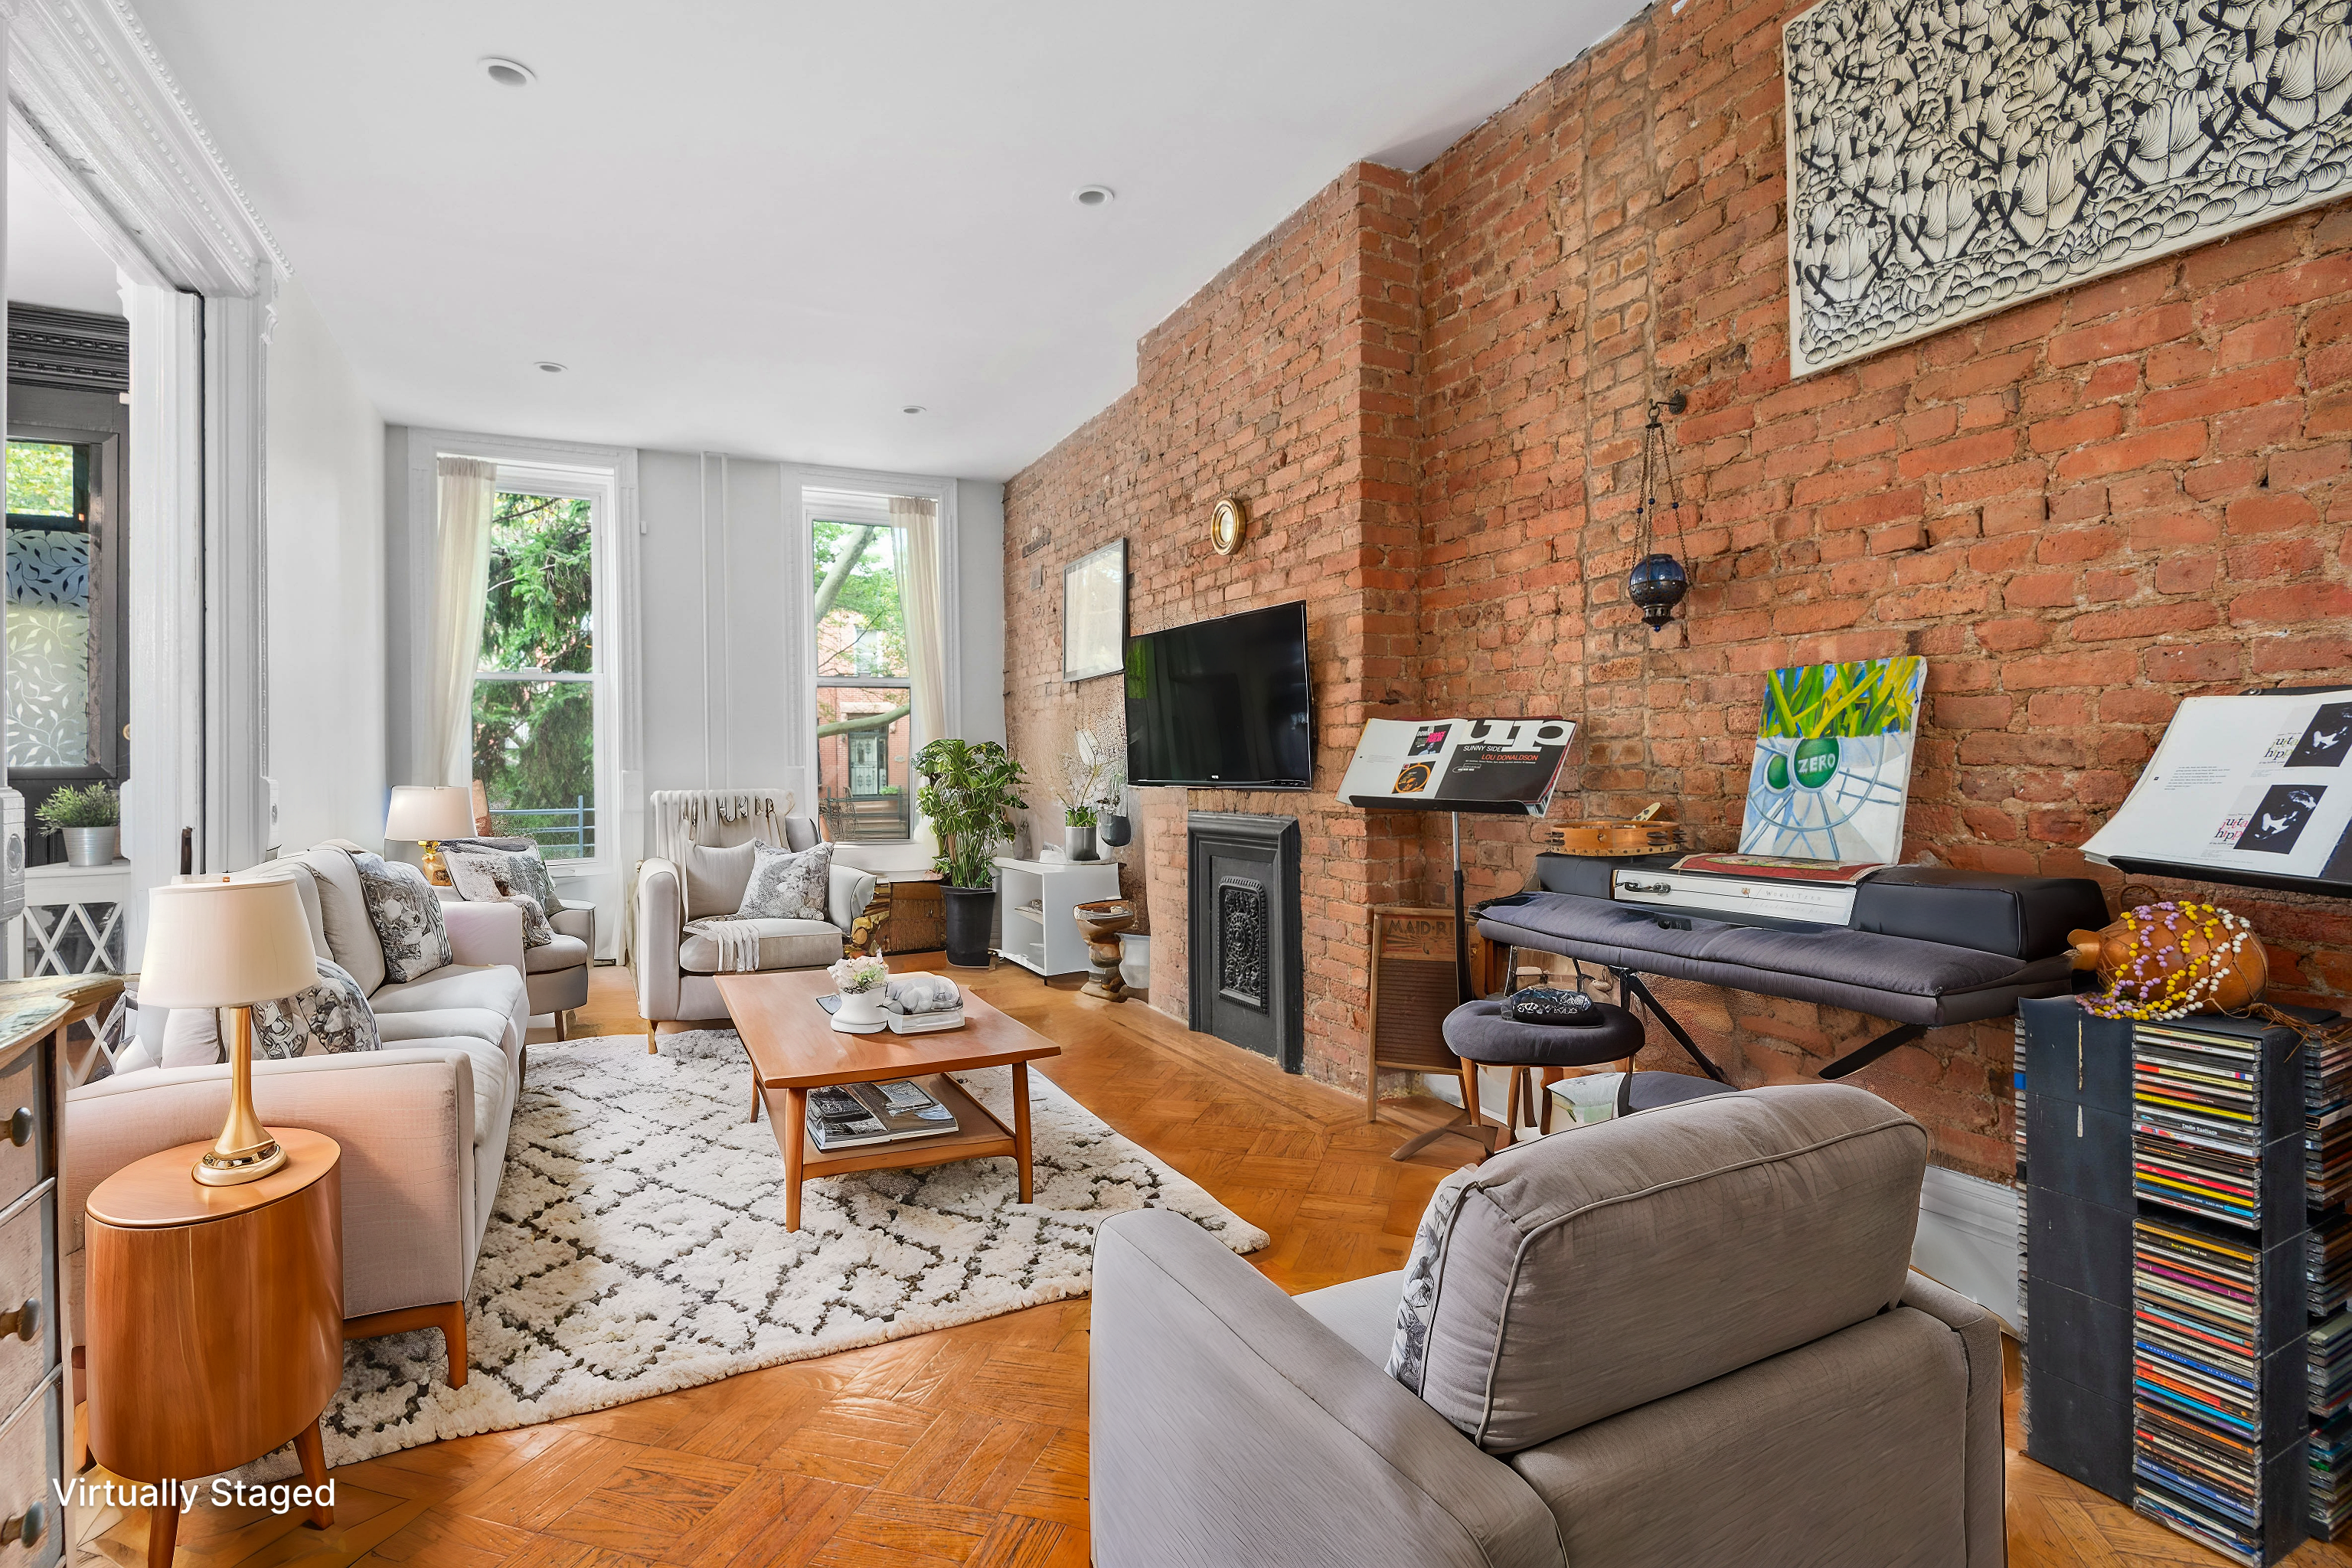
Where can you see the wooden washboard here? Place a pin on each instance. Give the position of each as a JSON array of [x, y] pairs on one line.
[[1412, 990]]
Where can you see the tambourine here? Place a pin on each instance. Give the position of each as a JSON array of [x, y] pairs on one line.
[[1644, 834]]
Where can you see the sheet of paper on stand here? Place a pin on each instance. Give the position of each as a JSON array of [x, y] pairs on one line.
[[1489, 765], [2254, 790]]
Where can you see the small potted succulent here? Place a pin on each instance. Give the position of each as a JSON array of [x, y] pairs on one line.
[[861, 979], [1085, 776], [90, 816]]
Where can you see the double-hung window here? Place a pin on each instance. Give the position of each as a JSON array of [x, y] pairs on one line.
[[864, 696], [536, 684]]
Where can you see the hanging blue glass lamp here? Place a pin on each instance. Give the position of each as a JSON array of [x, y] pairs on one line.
[[1657, 582]]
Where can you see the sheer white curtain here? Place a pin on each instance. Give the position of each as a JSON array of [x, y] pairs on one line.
[[461, 579], [919, 524]]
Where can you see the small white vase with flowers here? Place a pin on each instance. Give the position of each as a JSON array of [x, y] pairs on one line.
[[862, 979]]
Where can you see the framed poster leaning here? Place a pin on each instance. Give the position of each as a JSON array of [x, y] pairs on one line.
[[1094, 613]]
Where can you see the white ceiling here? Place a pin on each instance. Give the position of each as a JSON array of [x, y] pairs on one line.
[[51, 261], [762, 229]]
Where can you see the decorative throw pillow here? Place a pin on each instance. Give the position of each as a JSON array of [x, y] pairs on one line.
[[406, 914], [531, 876], [536, 932], [190, 1038], [479, 877], [526, 867], [1422, 1266], [787, 884], [715, 878], [329, 1017]]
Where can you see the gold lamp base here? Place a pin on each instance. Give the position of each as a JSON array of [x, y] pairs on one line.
[[436, 870], [233, 1170], [245, 1151]]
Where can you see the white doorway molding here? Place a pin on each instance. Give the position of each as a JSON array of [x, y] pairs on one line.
[[95, 114]]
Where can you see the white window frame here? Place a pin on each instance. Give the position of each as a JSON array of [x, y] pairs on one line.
[[599, 488], [824, 495]]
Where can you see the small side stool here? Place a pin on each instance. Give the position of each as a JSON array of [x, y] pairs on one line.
[[215, 1319], [1479, 1033], [1656, 1090]]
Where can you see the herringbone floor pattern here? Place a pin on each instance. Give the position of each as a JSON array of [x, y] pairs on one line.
[[966, 1446]]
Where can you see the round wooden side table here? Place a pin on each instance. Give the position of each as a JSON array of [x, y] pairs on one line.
[[215, 1319]]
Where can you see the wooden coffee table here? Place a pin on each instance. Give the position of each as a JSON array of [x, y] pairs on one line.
[[794, 1048]]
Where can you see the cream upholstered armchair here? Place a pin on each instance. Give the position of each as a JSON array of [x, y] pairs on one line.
[[698, 871]]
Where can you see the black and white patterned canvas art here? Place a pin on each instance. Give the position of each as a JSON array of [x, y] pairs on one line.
[[1949, 158]]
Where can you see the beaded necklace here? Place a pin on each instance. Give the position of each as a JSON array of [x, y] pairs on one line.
[[2149, 983]]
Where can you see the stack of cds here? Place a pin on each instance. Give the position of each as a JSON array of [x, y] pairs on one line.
[[2331, 1475], [2327, 1262], [2331, 1366], [2017, 1103], [2196, 1130], [2328, 1122], [2197, 1403], [2327, 1267]]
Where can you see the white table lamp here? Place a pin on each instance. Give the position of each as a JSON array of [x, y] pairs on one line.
[[425, 815], [229, 944]]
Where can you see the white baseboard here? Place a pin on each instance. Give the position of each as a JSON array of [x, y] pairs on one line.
[[1967, 1240]]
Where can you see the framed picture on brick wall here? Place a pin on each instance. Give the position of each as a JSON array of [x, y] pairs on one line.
[[1948, 161], [1094, 614]]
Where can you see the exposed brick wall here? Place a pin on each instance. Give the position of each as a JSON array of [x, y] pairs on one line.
[[1287, 380], [2079, 510]]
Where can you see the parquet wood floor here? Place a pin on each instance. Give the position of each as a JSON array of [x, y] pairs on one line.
[[968, 1445]]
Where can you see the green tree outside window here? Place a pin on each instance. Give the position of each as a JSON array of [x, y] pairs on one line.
[[535, 741]]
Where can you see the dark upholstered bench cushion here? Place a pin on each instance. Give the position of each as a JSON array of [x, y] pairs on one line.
[[1887, 977], [1477, 1031]]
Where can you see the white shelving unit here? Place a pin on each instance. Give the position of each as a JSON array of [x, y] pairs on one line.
[[1034, 900]]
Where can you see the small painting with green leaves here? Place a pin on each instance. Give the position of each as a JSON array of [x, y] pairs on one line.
[[1831, 773]]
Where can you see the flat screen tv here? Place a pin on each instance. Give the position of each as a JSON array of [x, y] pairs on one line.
[[1222, 704]]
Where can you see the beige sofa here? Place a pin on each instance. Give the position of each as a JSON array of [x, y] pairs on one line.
[[423, 1123], [1685, 1338], [678, 969]]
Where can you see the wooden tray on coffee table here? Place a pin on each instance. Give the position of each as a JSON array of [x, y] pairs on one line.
[[793, 1049]]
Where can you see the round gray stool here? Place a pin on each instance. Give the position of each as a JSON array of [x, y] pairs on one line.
[[1479, 1033]]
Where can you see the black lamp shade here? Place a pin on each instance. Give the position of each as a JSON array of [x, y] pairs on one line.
[[1656, 584]]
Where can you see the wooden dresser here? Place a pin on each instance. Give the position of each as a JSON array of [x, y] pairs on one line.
[[36, 1401]]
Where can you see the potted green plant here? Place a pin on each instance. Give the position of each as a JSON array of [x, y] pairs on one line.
[[970, 792], [90, 816]]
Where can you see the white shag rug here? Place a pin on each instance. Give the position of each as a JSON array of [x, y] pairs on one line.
[[640, 1247]]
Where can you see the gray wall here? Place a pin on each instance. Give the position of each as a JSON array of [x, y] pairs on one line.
[[724, 631], [979, 596]]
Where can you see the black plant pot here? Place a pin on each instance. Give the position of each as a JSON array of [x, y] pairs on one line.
[[1116, 831], [970, 913]]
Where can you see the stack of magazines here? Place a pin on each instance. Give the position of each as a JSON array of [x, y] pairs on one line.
[[852, 1115]]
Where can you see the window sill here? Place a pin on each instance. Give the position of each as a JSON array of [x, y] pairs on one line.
[[905, 856]]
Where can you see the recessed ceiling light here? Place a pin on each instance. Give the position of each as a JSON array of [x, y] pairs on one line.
[[508, 73], [1094, 195], [550, 367], [912, 408]]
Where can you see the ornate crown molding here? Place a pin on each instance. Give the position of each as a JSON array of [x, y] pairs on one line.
[[92, 99]]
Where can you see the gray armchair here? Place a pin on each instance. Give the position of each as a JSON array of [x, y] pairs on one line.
[[677, 967], [1685, 1339]]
